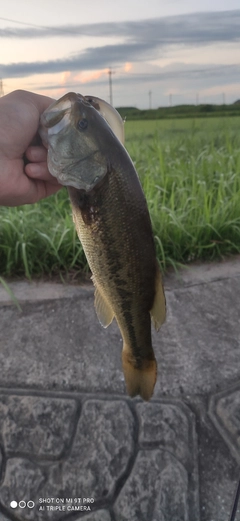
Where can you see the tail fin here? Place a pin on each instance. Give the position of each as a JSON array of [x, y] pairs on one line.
[[139, 380]]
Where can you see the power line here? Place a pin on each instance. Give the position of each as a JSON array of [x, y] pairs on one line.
[[58, 29], [23, 23]]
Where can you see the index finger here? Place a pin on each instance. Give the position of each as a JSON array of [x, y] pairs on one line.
[[40, 102]]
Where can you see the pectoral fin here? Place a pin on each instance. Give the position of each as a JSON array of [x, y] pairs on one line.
[[103, 309], [158, 311]]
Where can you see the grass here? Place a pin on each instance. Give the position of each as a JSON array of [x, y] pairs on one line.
[[190, 173], [40, 239], [193, 191]]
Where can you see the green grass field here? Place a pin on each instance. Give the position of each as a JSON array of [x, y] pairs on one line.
[[190, 173]]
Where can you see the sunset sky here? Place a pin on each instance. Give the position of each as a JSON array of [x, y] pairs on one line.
[[184, 51]]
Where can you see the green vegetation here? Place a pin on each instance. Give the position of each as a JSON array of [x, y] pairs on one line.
[[193, 191], [190, 173], [181, 111]]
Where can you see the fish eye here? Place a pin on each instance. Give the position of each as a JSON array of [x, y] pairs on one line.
[[83, 124]]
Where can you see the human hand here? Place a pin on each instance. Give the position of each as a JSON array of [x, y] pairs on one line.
[[24, 175]]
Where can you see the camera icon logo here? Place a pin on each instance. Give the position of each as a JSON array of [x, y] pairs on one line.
[[22, 504]]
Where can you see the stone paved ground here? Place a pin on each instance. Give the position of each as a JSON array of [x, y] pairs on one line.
[[73, 446]]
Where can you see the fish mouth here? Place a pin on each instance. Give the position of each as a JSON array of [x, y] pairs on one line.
[[59, 133], [58, 115]]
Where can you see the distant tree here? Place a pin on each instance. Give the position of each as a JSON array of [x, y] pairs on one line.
[[206, 108]]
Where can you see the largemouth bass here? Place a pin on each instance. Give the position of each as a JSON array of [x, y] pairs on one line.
[[113, 224]]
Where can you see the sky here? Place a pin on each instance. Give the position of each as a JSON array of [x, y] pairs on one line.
[[159, 53]]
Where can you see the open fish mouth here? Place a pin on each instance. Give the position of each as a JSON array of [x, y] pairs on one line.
[[57, 116]]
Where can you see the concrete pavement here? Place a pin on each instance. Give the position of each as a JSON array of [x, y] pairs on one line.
[[74, 446]]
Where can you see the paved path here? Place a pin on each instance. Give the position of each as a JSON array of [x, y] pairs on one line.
[[73, 446]]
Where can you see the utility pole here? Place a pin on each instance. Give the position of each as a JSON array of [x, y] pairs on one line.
[[110, 72], [150, 99], [170, 100]]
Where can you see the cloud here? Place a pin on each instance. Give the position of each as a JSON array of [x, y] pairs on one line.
[[202, 76], [141, 41], [101, 57], [205, 27], [91, 58]]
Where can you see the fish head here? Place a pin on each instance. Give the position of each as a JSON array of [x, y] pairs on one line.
[[77, 132]]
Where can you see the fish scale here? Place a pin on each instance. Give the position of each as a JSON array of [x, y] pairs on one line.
[[114, 227]]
